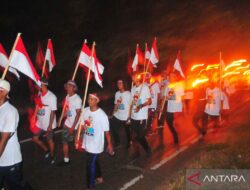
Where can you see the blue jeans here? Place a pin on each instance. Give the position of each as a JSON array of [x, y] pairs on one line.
[[12, 176]]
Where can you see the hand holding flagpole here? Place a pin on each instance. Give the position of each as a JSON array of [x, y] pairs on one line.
[[11, 53]]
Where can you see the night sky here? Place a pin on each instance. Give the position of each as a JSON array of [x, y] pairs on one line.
[[200, 29]]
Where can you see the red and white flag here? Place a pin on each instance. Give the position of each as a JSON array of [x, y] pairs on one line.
[[20, 61], [147, 53], [4, 61], [154, 58], [96, 67], [177, 65], [139, 57], [49, 55]]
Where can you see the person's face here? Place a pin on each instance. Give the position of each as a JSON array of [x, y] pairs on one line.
[[120, 85], [92, 101], [70, 89], [44, 88], [136, 79], [3, 94]]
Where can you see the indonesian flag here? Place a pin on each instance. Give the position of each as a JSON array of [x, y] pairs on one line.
[[40, 60], [96, 67], [177, 65], [49, 55], [20, 61], [137, 59], [4, 61], [154, 58]]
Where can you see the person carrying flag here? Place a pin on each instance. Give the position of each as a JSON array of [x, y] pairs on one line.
[[141, 99], [95, 128], [120, 113], [10, 152], [72, 114], [45, 120]]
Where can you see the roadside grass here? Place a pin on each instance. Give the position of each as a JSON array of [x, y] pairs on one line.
[[230, 151]]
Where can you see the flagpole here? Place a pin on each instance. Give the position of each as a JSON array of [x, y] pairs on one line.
[[11, 53], [85, 93], [144, 64], [44, 62], [73, 78]]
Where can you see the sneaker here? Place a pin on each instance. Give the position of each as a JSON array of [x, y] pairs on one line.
[[46, 155], [52, 160]]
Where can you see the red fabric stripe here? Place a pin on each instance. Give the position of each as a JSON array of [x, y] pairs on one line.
[[50, 46], [2, 50], [21, 48]]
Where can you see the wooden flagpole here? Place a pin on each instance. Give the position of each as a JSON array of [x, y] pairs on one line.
[[73, 78], [44, 62], [144, 64], [11, 54], [85, 94], [220, 83]]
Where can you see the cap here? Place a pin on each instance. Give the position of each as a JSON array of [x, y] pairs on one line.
[[72, 83], [4, 85]]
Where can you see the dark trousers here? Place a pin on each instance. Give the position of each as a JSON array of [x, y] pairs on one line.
[[170, 122], [12, 176], [138, 134], [93, 169], [205, 119], [151, 116], [116, 126]]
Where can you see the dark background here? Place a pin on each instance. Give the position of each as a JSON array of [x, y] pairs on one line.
[[200, 29]]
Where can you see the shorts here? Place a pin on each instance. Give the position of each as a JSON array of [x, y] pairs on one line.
[[42, 133], [66, 137]]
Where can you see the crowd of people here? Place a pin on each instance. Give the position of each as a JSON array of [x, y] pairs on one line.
[[135, 111]]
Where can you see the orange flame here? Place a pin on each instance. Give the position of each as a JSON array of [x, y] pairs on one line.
[[199, 81], [235, 64], [196, 66], [230, 73]]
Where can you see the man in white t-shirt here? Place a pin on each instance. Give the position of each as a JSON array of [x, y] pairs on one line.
[[95, 128], [174, 93], [213, 105], [141, 99], [45, 120], [10, 153], [72, 114], [120, 114]]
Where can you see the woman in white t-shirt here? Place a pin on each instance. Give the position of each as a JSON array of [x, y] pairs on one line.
[[10, 152], [120, 114], [45, 120], [95, 128]]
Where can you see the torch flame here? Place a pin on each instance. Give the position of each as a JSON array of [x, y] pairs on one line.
[[199, 81], [235, 64], [196, 66]]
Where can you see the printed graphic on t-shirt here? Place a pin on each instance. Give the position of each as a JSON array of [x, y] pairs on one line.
[[137, 101], [89, 130], [171, 94], [121, 106], [69, 113], [210, 99], [41, 112]]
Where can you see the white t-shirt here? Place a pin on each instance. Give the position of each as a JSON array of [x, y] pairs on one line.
[[73, 103], [144, 96], [49, 104], [122, 99], [95, 124], [174, 92], [155, 90], [213, 97], [9, 118]]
